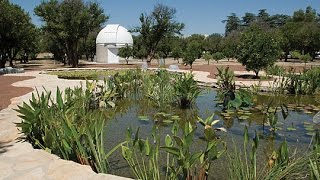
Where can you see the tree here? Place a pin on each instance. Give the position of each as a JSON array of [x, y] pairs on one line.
[[230, 45], [232, 24], [70, 21], [197, 41], [207, 56], [258, 49], [248, 19], [126, 52], [157, 26], [177, 46], [17, 33], [217, 56], [191, 53], [212, 43]]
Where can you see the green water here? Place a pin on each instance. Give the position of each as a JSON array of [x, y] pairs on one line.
[[128, 111]]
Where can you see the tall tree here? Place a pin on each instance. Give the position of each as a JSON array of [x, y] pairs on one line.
[[156, 26], [248, 19], [69, 21], [258, 49], [17, 33], [232, 24]]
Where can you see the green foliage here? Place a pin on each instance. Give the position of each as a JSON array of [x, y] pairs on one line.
[[258, 49], [71, 127], [159, 88], [156, 26], [191, 53], [314, 159], [17, 33], [218, 56], [207, 56], [69, 21], [275, 70], [186, 90], [164, 89], [243, 98], [85, 74], [126, 52], [142, 155], [243, 164], [303, 83]]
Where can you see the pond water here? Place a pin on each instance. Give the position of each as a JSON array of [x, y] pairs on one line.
[[295, 128]]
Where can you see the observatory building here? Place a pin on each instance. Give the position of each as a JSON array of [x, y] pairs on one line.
[[108, 42]]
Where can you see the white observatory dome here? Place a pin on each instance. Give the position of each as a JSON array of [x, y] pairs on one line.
[[114, 35]]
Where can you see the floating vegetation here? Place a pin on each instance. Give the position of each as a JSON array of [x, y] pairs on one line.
[[143, 118]]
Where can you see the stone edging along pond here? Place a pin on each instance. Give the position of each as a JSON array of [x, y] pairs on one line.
[[18, 160]]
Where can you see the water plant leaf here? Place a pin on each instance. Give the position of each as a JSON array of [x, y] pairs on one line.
[[215, 122], [291, 129], [168, 141], [172, 150], [178, 140], [316, 118], [246, 135], [143, 118], [167, 121], [111, 104]]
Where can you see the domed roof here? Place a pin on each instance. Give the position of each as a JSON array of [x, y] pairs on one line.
[[114, 34]]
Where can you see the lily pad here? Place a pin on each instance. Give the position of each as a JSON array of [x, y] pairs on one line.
[[243, 117], [310, 133], [143, 118], [291, 129]]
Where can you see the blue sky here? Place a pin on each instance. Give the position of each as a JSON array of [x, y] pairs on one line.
[[202, 16]]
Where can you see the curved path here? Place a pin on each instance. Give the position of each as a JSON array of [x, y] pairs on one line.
[[18, 160]]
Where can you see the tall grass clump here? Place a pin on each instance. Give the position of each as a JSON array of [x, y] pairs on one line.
[[243, 162], [307, 82], [70, 126]]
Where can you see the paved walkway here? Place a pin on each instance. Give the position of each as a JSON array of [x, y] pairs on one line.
[[18, 160]]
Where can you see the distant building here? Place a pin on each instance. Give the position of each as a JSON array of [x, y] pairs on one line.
[[108, 42]]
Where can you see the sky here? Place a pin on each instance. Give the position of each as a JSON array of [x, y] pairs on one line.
[[199, 16]]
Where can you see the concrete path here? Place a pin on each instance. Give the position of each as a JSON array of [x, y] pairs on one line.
[[18, 160]]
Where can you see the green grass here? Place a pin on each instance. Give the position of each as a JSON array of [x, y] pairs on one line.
[[86, 74]]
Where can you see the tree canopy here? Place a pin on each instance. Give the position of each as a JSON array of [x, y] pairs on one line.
[[69, 21], [17, 33], [258, 49], [156, 26]]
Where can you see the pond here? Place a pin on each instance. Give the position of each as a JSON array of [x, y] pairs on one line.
[[138, 111]]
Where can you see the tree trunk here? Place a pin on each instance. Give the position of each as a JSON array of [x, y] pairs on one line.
[[2, 63], [286, 56], [257, 74]]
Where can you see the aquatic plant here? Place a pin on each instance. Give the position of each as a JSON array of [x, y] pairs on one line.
[[181, 161], [186, 90], [70, 127], [243, 163]]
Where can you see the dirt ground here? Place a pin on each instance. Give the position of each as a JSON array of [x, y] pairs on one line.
[[8, 91]]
